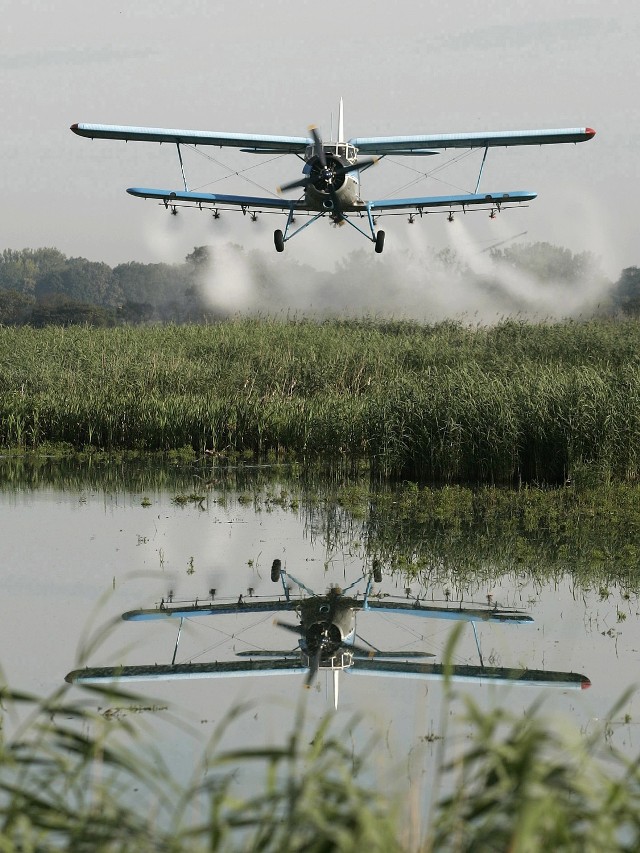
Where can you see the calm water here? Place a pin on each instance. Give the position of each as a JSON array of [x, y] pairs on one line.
[[76, 556]]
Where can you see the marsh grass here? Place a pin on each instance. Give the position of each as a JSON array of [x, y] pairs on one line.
[[524, 783], [75, 778], [445, 403]]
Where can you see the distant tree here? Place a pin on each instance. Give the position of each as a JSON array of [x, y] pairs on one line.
[[20, 270], [200, 258], [198, 264], [58, 310], [155, 284], [80, 280], [549, 263], [136, 312], [15, 308], [626, 292]]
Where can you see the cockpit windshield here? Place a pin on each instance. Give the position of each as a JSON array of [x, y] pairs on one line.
[[334, 149]]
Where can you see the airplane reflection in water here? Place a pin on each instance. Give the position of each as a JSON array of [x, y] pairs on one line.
[[327, 640]]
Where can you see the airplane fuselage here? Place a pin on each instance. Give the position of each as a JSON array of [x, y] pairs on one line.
[[330, 188], [326, 623]]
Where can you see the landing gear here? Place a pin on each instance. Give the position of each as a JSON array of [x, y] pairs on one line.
[[276, 568], [278, 239], [377, 571], [379, 242]]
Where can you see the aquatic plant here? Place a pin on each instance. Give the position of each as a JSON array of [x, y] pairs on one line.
[[447, 403], [85, 775], [78, 777]]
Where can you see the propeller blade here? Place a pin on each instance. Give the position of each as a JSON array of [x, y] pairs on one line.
[[269, 653], [295, 629], [313, 669], [359, 164], [360, 651], [303, 182], [317, 144]]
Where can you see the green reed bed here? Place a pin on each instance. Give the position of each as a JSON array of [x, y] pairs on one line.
[[446, 402], [78, 777]]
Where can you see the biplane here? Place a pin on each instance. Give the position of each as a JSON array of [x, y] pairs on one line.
[[328, 640], [330, 182]]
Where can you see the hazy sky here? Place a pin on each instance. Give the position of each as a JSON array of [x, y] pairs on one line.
[[409, 67]]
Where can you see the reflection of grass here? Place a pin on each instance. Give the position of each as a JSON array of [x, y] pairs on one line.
[[591, 533]]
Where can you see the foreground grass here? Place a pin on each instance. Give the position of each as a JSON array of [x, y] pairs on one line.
[[445, 403], [75, 779]]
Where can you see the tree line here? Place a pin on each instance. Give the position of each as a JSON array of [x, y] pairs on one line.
[[41, 287]]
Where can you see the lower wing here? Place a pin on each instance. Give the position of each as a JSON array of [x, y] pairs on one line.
[[420, 203], [245, 202], [378, 207]]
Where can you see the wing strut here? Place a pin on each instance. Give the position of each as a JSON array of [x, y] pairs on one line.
[[184, 180], [484, 157], [475, 634], [175, 650]]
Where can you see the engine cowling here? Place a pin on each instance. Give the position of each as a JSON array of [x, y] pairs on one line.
[[326, 179]]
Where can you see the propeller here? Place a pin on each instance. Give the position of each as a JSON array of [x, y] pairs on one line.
[[326, 175]]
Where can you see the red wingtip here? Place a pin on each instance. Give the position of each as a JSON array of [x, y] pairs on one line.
[[585, 684], [590, 132]]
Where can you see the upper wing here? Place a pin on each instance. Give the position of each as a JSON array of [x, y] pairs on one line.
[[187, 611], [182, 197], [248, 141], [490, 139], [492, 199]]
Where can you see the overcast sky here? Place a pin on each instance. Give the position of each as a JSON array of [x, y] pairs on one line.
[[413, 66]]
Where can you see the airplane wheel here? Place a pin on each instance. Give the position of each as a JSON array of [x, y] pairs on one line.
[[275, 571], [278, 239], [379, 241]]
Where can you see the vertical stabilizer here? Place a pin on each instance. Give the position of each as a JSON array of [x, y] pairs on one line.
[[340, 123]]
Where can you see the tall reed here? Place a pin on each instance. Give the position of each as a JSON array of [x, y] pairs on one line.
[[448, 403]]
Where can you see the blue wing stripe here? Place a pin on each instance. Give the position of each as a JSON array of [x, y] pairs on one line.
[[514, 197]]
